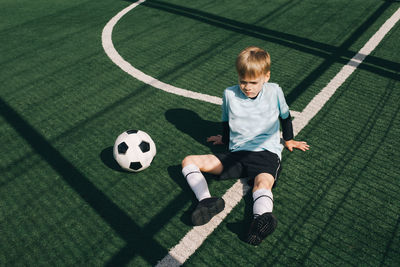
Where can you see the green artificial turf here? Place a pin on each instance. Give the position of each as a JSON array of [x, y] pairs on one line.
[[65, 202]]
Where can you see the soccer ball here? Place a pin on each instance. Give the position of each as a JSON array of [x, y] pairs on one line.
[[134, 150]]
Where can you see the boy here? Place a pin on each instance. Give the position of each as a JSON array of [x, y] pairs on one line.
[[250, 113]]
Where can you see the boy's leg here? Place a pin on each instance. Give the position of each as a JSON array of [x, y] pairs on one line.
[[263, 199], [206, 163], [264, 222], [192, 168]]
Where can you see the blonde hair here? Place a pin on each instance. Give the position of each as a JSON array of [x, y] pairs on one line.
[[253, 62]]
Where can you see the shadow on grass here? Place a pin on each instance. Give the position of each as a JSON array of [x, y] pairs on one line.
[[190, 123], [175, 172], [331, 54], [293, 230], [241, 228], [138, 239], [107, 157]]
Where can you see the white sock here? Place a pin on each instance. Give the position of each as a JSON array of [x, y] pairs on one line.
[[263, 201], [196, 181]]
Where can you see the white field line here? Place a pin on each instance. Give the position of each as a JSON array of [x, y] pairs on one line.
[[315, 105], [195, 237]]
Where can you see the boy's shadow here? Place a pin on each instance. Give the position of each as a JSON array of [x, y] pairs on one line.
[[175, 172], [241, 228], [193, 125]]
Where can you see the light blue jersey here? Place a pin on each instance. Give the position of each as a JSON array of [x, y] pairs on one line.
[[254, 123]]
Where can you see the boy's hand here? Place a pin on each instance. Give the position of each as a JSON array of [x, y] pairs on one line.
[[296, 144], [216, 139]]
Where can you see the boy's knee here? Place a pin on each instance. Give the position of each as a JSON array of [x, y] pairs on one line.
[[263, 181], [187, 161]]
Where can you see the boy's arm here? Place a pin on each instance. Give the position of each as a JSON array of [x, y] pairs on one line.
[[287, 132], [225, 132], [287, 128]]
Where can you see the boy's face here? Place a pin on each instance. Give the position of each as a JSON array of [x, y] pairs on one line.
[[252, 86]]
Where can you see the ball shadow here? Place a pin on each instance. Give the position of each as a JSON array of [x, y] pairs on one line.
[[107, 157]]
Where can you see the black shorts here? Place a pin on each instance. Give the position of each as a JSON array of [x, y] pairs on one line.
[[242, 164]]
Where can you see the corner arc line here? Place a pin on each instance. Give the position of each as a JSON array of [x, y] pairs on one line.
[[113, 54]]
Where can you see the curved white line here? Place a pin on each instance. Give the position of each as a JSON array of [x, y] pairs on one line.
[[112, 53]]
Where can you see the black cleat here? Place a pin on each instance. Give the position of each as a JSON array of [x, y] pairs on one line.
[[261, 227], [206, 209]]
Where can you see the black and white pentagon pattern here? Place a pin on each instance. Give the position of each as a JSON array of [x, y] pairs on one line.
[[135, 166], [131, 131], [144, 146], [122, 148]]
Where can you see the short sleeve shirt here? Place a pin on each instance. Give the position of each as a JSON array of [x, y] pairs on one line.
[[254, 123]]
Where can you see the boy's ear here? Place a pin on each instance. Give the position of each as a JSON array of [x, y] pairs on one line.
[[267, 76]]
